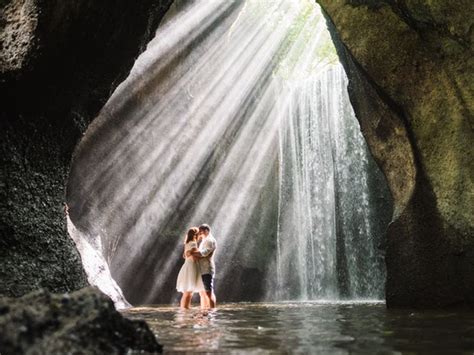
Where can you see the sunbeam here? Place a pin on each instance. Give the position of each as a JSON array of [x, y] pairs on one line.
[[236, 115]]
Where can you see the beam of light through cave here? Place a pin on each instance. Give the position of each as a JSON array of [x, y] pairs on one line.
[[208, 119], [240, 175], [216, 89], [232, 92]]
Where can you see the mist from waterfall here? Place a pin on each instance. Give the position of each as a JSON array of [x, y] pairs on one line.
[[237, 116]]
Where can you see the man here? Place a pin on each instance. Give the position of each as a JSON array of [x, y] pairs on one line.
[[206, 264]]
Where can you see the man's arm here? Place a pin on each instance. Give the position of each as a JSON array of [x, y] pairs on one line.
[[205, 251], [197, 254]]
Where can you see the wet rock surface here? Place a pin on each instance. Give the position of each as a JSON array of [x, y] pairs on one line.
[[58, 65], [83, 322], [411, 71]]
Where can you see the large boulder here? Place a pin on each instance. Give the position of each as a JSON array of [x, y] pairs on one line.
[[59, 62], [83, 322], [411, 70]]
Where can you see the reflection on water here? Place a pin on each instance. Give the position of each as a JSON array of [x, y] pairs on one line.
[[309, 327]]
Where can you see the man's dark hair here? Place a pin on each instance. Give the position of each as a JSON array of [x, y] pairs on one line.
[[205, 227]]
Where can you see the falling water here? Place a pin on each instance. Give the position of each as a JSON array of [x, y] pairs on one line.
[[326, 246], [236, 115]]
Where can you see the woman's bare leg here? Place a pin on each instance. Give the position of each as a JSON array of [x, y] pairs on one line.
[[186, 300]]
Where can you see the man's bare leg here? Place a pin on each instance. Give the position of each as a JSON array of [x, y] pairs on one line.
[[204, 299], [211, 296]]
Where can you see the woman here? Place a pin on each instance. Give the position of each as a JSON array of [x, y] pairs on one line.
[[189, 277]]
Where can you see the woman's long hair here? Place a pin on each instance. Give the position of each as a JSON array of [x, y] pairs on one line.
[[191, 235]]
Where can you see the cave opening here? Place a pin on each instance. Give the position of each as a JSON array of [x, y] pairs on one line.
[[236, 115]]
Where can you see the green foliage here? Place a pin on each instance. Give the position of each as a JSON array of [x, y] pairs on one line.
[[307, 47]]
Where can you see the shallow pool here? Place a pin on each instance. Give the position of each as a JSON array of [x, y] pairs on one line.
[[309, 327]]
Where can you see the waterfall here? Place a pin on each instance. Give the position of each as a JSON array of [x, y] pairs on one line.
[[236, 115], [325, 242]]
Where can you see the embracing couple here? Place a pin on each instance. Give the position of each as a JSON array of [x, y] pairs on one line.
[[197, 273]]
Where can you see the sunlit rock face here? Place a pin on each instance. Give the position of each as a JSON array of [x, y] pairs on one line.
[[237, 116], [58, 64], [410, 66]]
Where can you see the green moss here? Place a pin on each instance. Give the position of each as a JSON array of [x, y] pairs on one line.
[[411, 71]]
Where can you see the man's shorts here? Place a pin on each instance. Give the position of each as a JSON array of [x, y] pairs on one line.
[[208, 281]]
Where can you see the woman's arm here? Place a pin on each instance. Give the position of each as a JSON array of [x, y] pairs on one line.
[[190, 252]]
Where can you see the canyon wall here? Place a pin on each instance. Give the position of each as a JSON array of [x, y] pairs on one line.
[[410, 65], [59, 63]]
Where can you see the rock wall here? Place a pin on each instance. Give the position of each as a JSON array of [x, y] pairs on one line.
[[411, 70], [59, 62], [410, 64]]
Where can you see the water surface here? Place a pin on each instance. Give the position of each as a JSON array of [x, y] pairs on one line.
[[309, 327]]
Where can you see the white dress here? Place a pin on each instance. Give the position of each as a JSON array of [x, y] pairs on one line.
[[189, 277]]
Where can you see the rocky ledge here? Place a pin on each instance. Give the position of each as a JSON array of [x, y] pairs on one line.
[[81, 322]]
